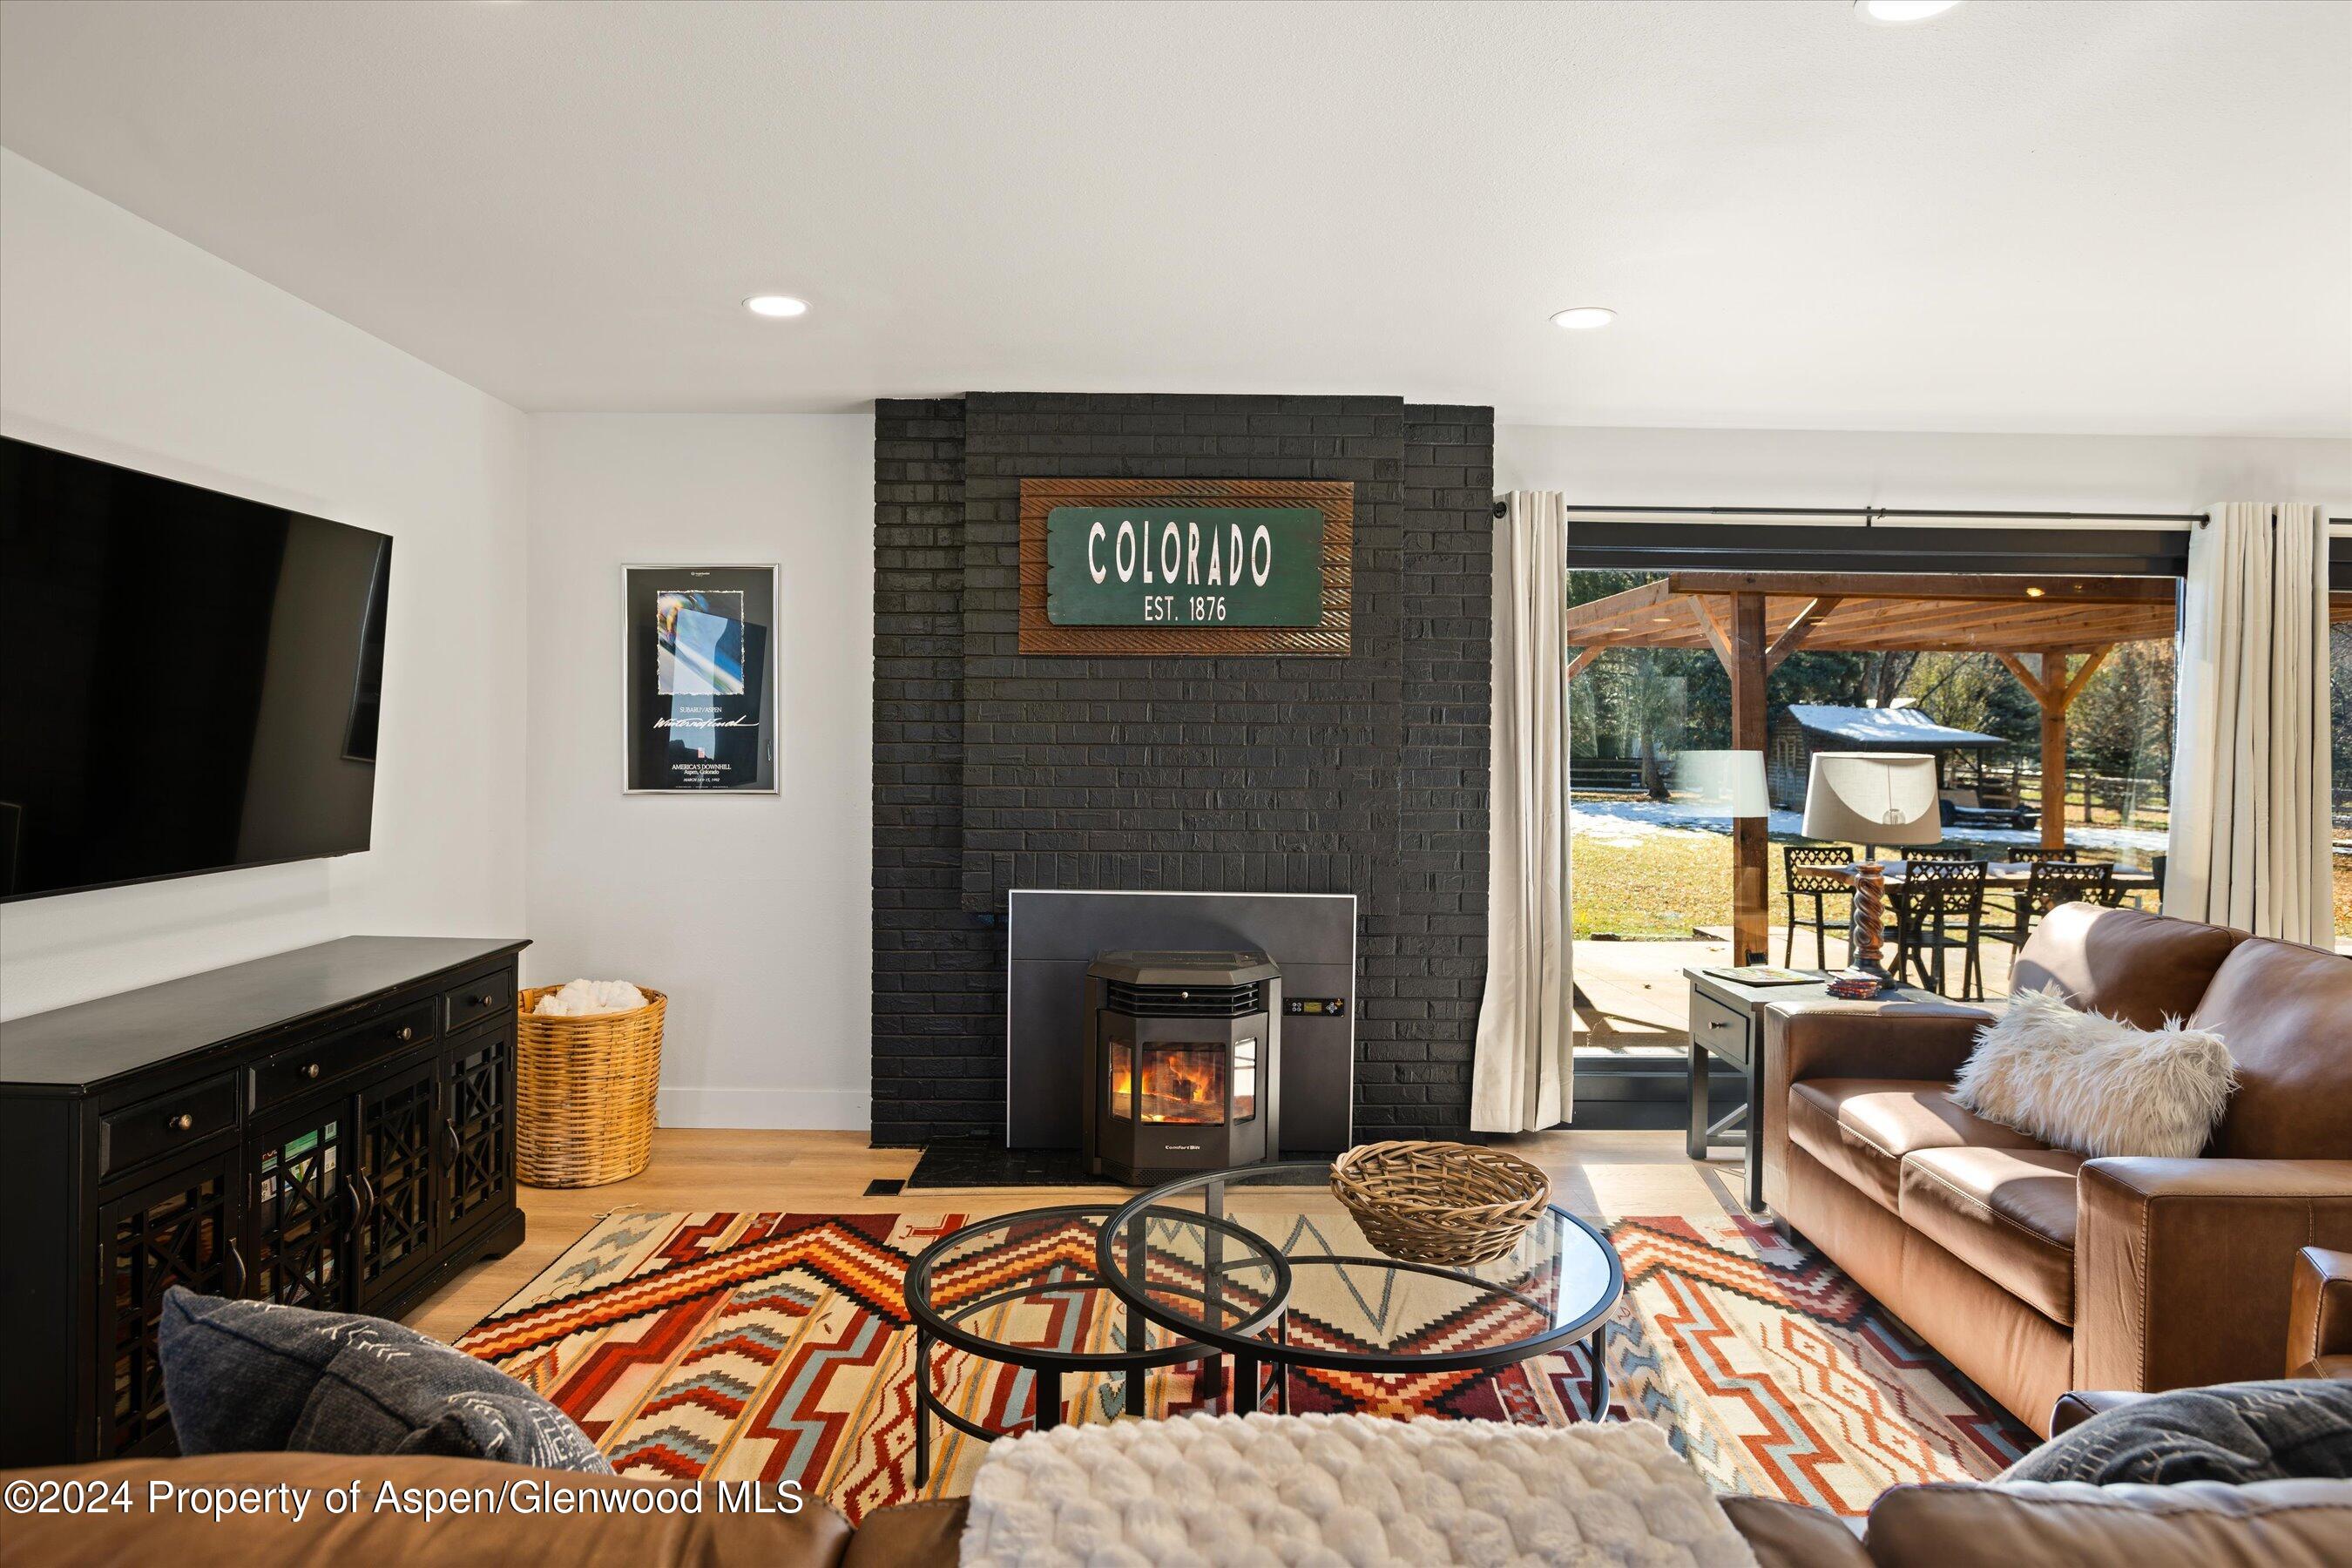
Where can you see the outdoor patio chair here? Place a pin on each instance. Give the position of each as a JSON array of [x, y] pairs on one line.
[[2052, 883], [1802, 880], [2012, 901], [1942, 908]]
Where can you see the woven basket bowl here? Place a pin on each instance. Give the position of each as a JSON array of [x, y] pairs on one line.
[[1440, 1203], [584, 1093]]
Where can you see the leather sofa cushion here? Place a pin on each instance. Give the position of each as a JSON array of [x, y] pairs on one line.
[[2129, 964], [525, 1532], [909, 1535], [1785, 1535], [2008, 1214], [1861, 1128], [2198, 1524], [2285, 1012]]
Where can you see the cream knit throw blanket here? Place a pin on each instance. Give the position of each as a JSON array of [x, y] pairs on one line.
[[1324, 1491]]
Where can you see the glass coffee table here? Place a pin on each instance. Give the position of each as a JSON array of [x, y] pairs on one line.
[[1014, 1290], [1204, 1259]]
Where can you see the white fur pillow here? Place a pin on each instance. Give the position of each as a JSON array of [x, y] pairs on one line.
[[2096, 1085]]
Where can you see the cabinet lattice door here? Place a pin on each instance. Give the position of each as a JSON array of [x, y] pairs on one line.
[[396, 1128], [301, 1194], [178, 1232], [480, 1128]]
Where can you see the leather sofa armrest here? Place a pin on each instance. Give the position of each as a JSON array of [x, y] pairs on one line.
[[2183, 1269], [2319, 1332], [2078, 1405], [1825, 1038]]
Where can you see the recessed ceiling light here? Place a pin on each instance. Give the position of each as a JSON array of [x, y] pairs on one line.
[[1584, 317], [777, 305], [1901, 10]]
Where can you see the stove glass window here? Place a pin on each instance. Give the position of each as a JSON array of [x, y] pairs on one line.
[[1185, 1084], [1122, 1079]]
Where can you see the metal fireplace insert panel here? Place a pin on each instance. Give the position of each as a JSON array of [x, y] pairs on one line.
[[1054, 933]]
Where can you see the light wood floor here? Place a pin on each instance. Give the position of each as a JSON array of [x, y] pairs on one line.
[[1595, 1174]]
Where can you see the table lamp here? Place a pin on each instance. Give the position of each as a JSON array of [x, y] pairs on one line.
[[1872, 798], [1729, 784]]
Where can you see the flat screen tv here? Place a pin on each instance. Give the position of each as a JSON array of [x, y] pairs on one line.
[[189, 681]]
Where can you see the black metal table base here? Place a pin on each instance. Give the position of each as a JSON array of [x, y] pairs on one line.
[[1045, 1366]]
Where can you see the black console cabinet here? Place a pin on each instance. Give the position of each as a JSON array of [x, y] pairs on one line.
[[331, 1128]]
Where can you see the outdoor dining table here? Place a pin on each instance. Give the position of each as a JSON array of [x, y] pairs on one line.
[[2000, 876]]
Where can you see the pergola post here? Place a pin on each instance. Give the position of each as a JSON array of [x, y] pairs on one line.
[[2053, 699], [1751, 841], [2055, 691]]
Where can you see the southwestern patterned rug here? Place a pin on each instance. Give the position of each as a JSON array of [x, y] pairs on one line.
[[777, 1347]]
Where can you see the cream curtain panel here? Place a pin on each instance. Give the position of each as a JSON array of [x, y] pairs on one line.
[[2250, 763], [1521, 1076]]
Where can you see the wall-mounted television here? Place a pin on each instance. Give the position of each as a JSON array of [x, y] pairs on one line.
[[189, 680]]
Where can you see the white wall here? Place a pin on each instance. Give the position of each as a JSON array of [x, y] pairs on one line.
[[752, 911], [1807, 467], [122, 343]]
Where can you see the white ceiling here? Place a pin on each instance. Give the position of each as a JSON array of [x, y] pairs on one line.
[[2021, 216]]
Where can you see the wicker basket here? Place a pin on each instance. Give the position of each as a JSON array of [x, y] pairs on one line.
[[584, 1093], [1440, 1203]]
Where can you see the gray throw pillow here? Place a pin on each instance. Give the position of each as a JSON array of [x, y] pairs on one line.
[[257, 1377], [2292, 1429]]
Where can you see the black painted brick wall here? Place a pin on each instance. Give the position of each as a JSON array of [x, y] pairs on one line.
[[1366, 774]]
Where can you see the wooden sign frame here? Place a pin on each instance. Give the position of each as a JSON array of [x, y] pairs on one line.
[[1336, 499]]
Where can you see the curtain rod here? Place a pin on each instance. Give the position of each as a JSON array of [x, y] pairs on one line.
[[1869, 514]]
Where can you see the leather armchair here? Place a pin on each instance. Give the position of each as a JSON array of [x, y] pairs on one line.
[[2319, 1335]]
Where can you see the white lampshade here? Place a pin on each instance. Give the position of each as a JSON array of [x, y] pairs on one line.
[[1874, 797], [1723, 783]]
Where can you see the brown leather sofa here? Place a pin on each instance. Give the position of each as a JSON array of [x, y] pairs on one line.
[[2034, 1269], [2194, 1526]]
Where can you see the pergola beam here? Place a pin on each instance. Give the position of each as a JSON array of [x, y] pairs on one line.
[[1793, 636], [1718, 636], [1931, 585], [1583, 657]]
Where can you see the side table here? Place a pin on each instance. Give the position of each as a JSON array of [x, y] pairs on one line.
[[1726, 1021]]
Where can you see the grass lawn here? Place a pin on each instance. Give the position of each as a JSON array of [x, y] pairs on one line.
[[1663, 885], [1668, 882], [2343, 898]]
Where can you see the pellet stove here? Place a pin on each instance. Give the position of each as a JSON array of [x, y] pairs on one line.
[[1182, 1057]]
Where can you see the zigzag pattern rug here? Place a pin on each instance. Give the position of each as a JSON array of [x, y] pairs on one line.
[[775, 1347]]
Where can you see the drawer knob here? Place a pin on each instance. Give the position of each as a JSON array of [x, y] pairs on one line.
[[403, 1032], [485, 1000], [182, 1123], [310, 1071]]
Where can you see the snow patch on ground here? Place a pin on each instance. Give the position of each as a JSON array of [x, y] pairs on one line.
[[1632, 822]]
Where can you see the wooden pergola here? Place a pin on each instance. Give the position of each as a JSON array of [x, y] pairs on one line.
[[2053, 633]]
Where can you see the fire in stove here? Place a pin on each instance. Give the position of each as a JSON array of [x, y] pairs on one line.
[[1180, 1084]]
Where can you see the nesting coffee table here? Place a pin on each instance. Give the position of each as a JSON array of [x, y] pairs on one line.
[[1262, 1264]]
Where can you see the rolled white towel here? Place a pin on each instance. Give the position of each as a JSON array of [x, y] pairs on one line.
[[584, 998]]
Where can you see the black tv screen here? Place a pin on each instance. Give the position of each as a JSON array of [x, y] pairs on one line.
[[189, 680]]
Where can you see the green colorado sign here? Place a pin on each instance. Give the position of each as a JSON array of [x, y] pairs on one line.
[[1188, 566]]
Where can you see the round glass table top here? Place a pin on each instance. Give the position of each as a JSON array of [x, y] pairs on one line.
[[1022, 1287], [1174, 1253]]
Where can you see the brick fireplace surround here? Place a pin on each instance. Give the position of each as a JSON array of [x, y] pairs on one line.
[[992, 771]]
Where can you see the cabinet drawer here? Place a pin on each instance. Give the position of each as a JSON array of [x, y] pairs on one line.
[[184, 1117], [287, 1073], [1722, 1030], [491, 996]]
